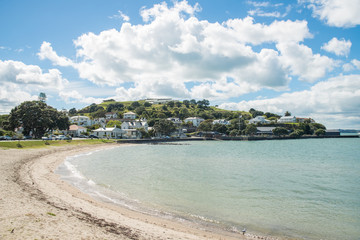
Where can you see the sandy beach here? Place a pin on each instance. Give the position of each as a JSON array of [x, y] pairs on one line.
[[36, 204]]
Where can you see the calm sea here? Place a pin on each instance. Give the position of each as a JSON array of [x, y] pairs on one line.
[[305, 189]]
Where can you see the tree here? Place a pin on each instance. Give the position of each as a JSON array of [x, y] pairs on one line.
[[72, 111], [206, 125], [37, 117], [164, 127], [280, 131], [287, 114], [113, 123], [135, 104], [147, 104], [320, 132], [221, 128], [250, 129], [186, 103]]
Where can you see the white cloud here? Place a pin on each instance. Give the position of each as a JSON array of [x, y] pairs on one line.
[[353, 65], [338, 47], [121, 15], [20, 82], [74, 96], [194, 57], [302, 62], [334, 102], [338, 13]]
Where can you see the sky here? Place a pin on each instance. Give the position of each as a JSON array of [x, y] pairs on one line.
[[301, 56]]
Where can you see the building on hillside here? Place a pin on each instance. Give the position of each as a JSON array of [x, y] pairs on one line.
[[287, 119], [81, 121], [221, 121], [135, 124], [111, 115], [158, 100], [259, 119], [194, 120], [332, 132], [75, 130], [302, 120], [108, 132], [176, 121], [129, 115], [100, 121]]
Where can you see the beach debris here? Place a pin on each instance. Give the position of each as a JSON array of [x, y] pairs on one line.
[[243, 231], [12, 231]]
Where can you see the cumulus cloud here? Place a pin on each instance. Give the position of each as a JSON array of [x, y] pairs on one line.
[[120, 15], [353, 65], [195, 57], [338, 47], [338, 13], [74, 96], [334, 102], [20, 82]]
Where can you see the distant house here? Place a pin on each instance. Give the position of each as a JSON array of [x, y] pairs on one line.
[[195, 120], [129, 115], [332, 132], [111, 115], [258, 119], [287, 119], [108, 132], [176, 121], [158, 100], [100, 121], [265, 130], [81, 121], [75, 130], [135, 124], [221, 121]]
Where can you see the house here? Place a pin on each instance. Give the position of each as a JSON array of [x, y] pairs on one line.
[[111, 115], [265, 130], [221, 121], [158, 100], [75, 130], [258, 119], [100, 121], [194, 120], [131, 133], [129, 115], [176, 121], [332, 132], [287, 119], [108, 132], [135, 124], [81, 120]]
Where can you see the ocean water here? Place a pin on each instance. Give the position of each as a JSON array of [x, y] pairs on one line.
[[302, 189]]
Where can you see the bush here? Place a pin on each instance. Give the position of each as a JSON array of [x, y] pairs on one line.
[[320, 132]]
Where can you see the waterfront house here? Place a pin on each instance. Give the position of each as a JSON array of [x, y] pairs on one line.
[[332, 132], [287, 119], [194, 120], [302, 120], [135, 124], [265, 130], [113, 132], [76, 131], [258, 119], [176, 121], [129, 115]]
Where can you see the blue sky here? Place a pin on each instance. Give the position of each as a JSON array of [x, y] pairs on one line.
[[299, 56]]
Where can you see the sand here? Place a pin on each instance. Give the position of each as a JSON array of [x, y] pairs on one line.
[[36, 204]]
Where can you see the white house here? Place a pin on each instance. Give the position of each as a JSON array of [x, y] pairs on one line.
[[221, 121], [108, 132], [129, 115], [195, 120], [111, 115], [287, 119], [158, 100], [302, 120], [100, 121], [76, 131], [135, 124], [81, 120], [258, 119]]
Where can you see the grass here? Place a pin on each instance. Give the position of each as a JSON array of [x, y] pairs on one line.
[[42, 144]]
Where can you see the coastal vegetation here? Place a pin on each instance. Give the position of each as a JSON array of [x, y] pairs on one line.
[[39, 118]]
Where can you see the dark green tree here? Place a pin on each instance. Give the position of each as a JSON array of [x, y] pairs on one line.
[[37, 117], [280, 131], [287, 114], [320, 132], [250, 129], [72, 111], [164, 127], [206, 125]]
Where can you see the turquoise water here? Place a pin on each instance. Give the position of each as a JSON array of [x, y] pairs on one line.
[[305, 189]]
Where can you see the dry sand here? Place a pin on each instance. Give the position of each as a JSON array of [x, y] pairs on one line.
[[36, 204]]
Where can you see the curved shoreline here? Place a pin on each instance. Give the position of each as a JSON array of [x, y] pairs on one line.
[[38, 204]]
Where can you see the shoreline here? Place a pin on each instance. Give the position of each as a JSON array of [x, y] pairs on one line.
[[38, 204]]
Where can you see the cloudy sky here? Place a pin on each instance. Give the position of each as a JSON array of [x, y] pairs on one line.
[[300, 56]]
